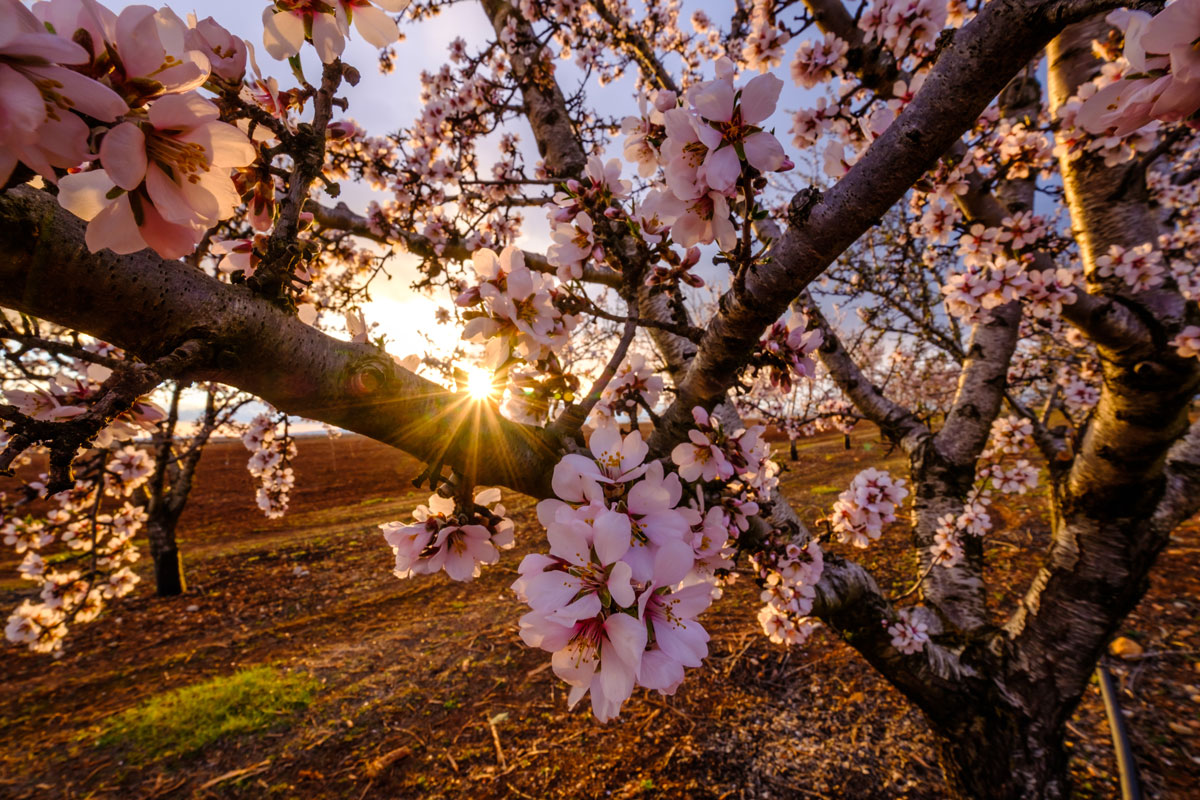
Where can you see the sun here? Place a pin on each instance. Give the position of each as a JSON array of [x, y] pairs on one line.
[[480, 383]]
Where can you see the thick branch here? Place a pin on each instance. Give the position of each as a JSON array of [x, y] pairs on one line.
[[638, 48], [545, 105], [971, 70], [146, 305]]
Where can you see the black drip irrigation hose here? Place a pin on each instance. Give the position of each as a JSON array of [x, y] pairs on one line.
[[1126, 765]]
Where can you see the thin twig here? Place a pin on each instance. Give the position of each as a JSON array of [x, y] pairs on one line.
[[572, 419]]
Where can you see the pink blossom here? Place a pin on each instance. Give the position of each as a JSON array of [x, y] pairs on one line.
[[165, 179], [700, 458], [288, 23], [601, 655], [679, 640], [818, 62], [446, 537], [1165, 73], [869, 504], [38, 96], [1187, 342], [226, 53], [615, 459], [1139, 267], [909, 636], [730, 128], [705, 220]]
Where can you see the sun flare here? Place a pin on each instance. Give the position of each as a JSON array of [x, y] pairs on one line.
[[480, 383]]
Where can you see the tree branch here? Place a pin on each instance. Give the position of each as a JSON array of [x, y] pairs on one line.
[[143, 303], [971, 70], [342, 218], [897, 422]]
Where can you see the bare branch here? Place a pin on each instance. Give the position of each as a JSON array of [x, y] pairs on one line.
[[341, 217], [898, 423]]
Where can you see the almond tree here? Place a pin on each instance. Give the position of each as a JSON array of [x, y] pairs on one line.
[[141, 139], [177, 453]]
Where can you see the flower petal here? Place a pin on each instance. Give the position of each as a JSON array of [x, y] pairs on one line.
[[123, 155], [759, 98]]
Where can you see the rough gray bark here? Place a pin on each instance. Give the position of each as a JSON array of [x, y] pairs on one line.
[[997, 692], [1002, 733], [544, 101], [1105, 538]]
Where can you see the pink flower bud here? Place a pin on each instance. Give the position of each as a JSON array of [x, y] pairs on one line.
[[468, 298], [665, 100]]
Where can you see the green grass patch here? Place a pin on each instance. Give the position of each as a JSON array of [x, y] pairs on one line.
[[824, 490], [184, 720]]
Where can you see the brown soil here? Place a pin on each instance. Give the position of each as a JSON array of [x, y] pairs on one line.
[[414, 670]]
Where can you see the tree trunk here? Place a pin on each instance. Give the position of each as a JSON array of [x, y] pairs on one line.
[[168, 561], [792, 450], [998, 753]]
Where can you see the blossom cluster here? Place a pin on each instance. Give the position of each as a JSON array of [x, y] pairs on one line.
[[97, 550], [909, 635], [574, 214], [705, 146], [1139, 268], [615, 599], [287, 24], [713, 454], [1187, 342], [787, 346], [788, 576], [1011, 436], [512, 309], [449, 535], [635, 386], [902, 25], [272, 450], [70, 395], [861, 511], [999, 269], [118, 92], [1162, 80], [637, 553]]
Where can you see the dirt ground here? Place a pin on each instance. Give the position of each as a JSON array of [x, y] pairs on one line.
[[414, 671]]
